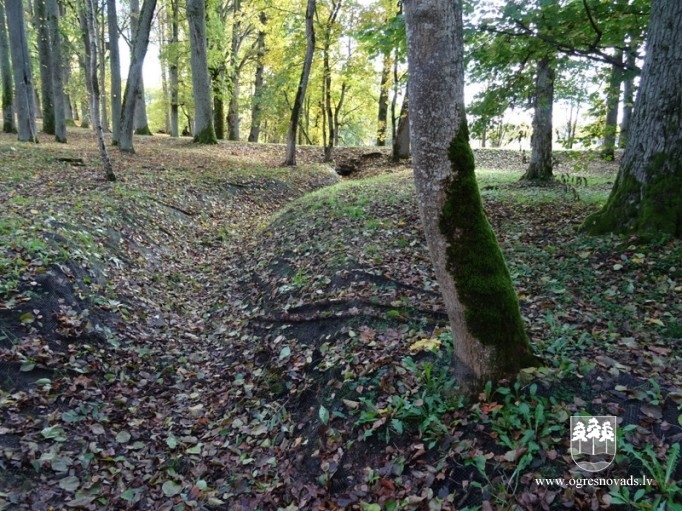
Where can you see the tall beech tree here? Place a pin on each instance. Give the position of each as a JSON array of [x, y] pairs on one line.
[[302, 84], [89, 11], [21, 66], [125, 142], [647, 196], [488, 332], [204, 131], [45, 64], [57, 89], [140, 120], [115, 69], [540, 165], [6, 76]]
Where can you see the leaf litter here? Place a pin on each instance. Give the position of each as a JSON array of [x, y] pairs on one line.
[[184, 349]]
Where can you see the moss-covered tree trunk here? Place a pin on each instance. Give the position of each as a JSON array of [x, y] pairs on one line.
[[6, 76], [647, 196], [540, 166], [488, 331]]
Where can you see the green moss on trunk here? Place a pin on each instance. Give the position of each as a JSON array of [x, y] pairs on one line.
[[206, 136], [651, 210], [478, 267], [144, 130]]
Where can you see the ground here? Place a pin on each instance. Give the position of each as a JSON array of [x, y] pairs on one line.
[[214, 331]]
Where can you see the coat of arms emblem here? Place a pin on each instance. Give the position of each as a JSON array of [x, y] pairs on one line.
[[593, 441]]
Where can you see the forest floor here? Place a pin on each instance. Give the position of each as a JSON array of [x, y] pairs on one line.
[[214, 331]]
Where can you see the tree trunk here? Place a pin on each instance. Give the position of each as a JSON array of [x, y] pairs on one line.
[[612, 100], [21, 65], [94, 87], [256, 108], [135, 76], [101, 47], [58, 97], [6, 76], [382, 116], [140, 120], [115, 70], [540, 166], [302, 84], [647, 196], [218, 86], [173, 70], [45, 63], [233, 106], [401, 140], [327, 79], [204, 131], [487, 328], [628, 100]]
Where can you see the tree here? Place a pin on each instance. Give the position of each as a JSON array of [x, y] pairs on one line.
[[45, 64], [130, 95], [91, 20], [140, 120], [302, 84], [646, 198], [487, 328], [173, 68], [540, 166], [401, 137], [612, 101], [57, 89], [628, 99], [21, 65], [256, 106], [115, 67], [204, 131], [6, 76]]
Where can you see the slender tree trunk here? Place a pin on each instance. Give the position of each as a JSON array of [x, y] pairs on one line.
[[256, 107], [21, 65], [135, 75], [204, 131], [6, 76], [337, 112], [628, 100], [115, 69], [302, 85], [327, 78], [540, 166], [612, 100], [489, 337], [401, 140], [647, 196], [173, 70], [94, 87], [45, 63], [101, 47], [382, 117], [58, 97], [233, 107], [218, 86]]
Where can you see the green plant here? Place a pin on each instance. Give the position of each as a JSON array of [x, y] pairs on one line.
[[668, 491]]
